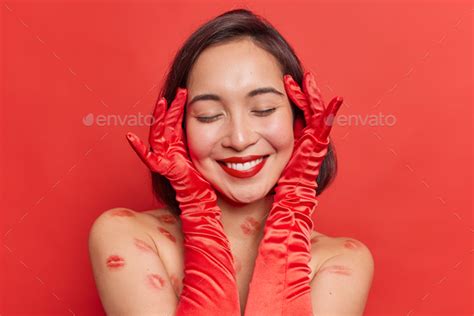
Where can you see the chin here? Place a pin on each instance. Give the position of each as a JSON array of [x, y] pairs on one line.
[[243, 197], [239, 194]]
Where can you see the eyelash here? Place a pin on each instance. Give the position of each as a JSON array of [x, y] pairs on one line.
[[209, 119]]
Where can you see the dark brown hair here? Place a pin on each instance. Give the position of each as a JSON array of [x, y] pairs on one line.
[[229, 26]]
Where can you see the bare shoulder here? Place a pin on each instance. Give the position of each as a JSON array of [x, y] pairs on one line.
[[115, 219], [120, 223], [160, 230], [130, 276], [328, 249], [164, 228], [341, 282]]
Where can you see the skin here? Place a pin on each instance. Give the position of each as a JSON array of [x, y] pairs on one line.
[[156, 281], [143, 245], [250, 226], [167, 234], [122, 213], [336, 269], [167, 219], [341, 268], [176, 283], [233, 127], [237, 129], [351, 244], [115, 262]]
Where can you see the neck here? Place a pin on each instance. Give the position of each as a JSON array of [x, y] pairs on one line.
[[244, 222]]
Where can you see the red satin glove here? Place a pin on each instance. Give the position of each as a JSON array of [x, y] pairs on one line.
[[280, 283], [209, 285]]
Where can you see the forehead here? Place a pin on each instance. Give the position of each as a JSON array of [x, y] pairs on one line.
[[234, 67]]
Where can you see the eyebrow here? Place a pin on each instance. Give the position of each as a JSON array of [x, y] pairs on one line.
[[214, 97]]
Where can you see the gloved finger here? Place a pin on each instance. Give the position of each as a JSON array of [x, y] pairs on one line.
[[160, 110], [329, 116], [180, 110], [156, 129], [174, 116], [149, 158], [298, 127], [137, 144], [313, 93], [293, 91]]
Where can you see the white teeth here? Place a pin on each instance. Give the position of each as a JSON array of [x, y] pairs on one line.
[[244, 166]]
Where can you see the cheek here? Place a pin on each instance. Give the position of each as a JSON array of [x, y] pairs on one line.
[[279, 132], [200, 140]]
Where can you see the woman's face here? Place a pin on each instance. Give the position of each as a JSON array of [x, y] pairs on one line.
[[226, 116]]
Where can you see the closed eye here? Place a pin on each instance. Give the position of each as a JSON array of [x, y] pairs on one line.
[[265, 112], [209, 119]]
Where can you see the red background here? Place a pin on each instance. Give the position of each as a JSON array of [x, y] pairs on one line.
[[404, 190]]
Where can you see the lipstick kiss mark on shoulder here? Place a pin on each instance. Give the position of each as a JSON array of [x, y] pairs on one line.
[[122, 213], [115, 262], [166, 233]]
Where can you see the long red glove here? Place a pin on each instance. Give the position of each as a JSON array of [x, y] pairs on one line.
[[280, 282], [209, 285]]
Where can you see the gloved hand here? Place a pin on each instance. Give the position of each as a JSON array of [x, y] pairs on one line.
[[209, 285], [280, 282]]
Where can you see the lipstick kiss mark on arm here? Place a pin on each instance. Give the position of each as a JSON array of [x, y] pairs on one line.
[[143, 245], [167, 234], [114, 262], [155, 281], [336, 269]]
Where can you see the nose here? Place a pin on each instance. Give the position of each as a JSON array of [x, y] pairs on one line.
[[240, 134]]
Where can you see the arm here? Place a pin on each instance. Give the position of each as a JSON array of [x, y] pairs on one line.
[[209, 285], [342, 283], [136, 285], [281, 284]]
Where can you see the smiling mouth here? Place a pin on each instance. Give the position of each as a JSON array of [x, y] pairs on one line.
[[243, 166]]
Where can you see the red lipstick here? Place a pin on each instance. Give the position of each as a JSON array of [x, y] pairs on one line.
[[115, 262], [243, 173], [242, 159]]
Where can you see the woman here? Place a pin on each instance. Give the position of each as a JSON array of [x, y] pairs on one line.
[[237, 158]]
